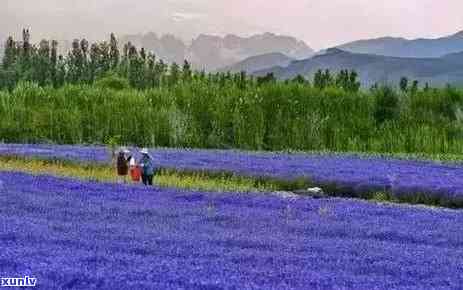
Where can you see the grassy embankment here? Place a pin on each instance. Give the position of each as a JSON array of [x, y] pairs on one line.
[[204, 181], [164, 178]]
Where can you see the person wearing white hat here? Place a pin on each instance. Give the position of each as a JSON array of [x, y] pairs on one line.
[[147, 167]]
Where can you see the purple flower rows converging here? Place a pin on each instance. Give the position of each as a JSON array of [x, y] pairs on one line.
[[83, 235], [349, 174]]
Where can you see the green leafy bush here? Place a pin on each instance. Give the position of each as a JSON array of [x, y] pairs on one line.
[[113, 81]]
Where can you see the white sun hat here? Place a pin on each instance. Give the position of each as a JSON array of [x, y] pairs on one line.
[[144, 151], [124, 150]]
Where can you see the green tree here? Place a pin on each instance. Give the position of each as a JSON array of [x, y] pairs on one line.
[[386, 105], [114, 54], [54, 63], [174, 73], [26, 45], [41, 67], [75, 63], [84, 47], [328, 79], [268, 78], [353, 84], [342, 79], [186, 72], [403, 84], [61, 71], [414, 87], [318, 81], [160, 69], [136, 68], [299, 79], [10, 53]]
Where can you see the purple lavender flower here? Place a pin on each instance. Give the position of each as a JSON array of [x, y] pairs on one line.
[[72, 234], [352, 175]]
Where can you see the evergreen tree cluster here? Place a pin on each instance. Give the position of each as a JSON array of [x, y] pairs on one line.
[[86, 63]]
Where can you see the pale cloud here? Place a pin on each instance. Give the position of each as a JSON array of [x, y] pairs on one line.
[[186, 16], [321, 23]]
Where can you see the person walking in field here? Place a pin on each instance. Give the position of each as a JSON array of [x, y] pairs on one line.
[[122, 165], [147, 167]]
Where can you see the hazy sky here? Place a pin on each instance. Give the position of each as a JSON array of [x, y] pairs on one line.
[[321, 23]]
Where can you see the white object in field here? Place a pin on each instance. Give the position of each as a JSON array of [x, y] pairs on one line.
[[132, 162], [315, 190], [286, 194]]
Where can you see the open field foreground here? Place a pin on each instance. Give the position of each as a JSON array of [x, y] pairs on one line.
[[83, 235], [349, 175]]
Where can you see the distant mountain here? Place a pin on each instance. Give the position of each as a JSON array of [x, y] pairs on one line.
[[401, 47], [167, 47], [213, 52], [259, 62], [376, 68], [454, 57]]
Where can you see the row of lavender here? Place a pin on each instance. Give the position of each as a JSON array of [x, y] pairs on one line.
[[106, 236], [351, 175]]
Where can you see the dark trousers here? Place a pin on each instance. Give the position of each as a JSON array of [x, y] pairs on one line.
[[147, 179]]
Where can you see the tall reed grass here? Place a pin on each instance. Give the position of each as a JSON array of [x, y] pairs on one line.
[[274, 116]]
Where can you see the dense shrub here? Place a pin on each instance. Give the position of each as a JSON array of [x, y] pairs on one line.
[[386, 105], [272, 116], [113, 81]]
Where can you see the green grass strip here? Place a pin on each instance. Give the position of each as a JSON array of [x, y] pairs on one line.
[[164, 178], [202, 180]]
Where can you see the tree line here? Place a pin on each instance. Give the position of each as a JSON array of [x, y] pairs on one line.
[[87, 63]]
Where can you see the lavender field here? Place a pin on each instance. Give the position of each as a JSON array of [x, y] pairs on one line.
[[78, 235], [346, 174]]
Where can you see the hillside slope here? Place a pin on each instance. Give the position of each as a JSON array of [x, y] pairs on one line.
[[401, 47], [259, 62], [376, 68]]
